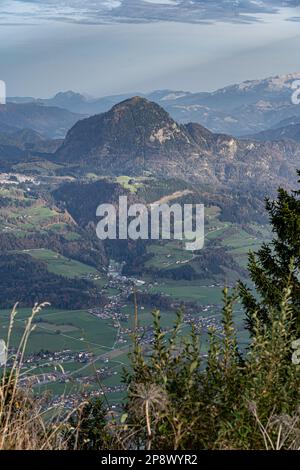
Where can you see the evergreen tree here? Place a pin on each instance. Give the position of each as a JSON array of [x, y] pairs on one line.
[[275, 263]]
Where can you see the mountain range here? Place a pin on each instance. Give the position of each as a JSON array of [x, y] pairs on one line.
[[242, 109], [138, 136]]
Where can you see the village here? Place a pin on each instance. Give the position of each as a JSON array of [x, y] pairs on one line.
[[89, 369]]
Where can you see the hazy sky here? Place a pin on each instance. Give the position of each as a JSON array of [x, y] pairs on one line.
[[113, 46]]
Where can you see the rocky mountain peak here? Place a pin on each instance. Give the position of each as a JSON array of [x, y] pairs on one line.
[[134, 130]]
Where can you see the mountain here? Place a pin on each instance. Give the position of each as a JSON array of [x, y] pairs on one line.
[[50, 122], [138, 136], [67, 100], [134, 134]]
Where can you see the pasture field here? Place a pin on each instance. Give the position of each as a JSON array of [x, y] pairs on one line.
[[168, 255], [61, 265], [189, 291], [88, 333], [145, 317]]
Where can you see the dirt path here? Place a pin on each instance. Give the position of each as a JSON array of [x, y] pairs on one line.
[[173, 196]]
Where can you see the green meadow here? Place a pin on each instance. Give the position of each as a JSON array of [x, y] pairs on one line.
[[61, 265]]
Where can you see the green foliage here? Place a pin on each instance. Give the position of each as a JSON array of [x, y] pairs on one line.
[[270, 267], [176, 400], [163, 386], [88, 427]]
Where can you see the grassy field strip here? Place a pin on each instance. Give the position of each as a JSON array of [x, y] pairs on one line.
[[97, 334], [84, 341], [59, 264], [72, 337]]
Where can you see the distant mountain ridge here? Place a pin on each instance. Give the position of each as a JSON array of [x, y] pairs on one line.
[[291, 132], [242, 109], [246, 108], [79, 103], [288, 129], [50, 122]]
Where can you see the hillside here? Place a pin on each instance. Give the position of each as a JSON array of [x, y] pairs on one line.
[[289, 132], [34, 282], [50, 122]]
